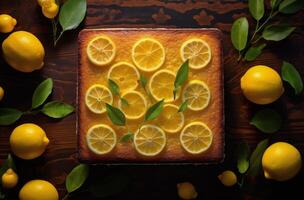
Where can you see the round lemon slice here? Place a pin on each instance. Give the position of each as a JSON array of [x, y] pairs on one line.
[[197, 94], [96, 98], [197, 51], [196, 137], [161, 85], [148, 54], [170, 120], [125, 75], [101, 139], [101, 50], [136, 106], [149, 140]]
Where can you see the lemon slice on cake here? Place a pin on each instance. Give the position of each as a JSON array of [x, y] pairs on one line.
[[101, 139], [197, 94], [125, 75], [101, 50], [96, 98], [161, 85], [148, 54], [149, 140], [196, 137], [197, 51], [136, 107], [170, 120]]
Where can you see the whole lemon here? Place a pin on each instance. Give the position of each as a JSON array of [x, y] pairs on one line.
[[228, 178], [281, 161], [28, 141], [23, 51], [7, 23], [186, 191], [262, 85], [38, 190], [1, 93], [9, 179], [50, 11]]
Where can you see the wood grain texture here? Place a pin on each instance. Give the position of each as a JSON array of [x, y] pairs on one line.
[[150, 182]]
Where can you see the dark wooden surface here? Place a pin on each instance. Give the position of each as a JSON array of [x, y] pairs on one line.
[[149, 182]]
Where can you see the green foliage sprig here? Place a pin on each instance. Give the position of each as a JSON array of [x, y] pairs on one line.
[[249, 48], [53, 109]]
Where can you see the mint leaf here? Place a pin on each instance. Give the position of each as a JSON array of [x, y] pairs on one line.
[[291, 75], [56, 109], [9, 116], [116, 115], [42, 92], [154, 111], [267, 121], [76, 177]]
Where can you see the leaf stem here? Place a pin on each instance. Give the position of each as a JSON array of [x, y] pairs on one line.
[[66, 196], [54, 26], [56, 40]]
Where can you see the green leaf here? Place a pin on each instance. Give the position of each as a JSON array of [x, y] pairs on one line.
[[291, 75], [254, 52], [275, 3], [76, 177], [108, 186], [56, 109], [239, 33], [183, 106], [154, 111], [8, 163], [116, 116], [124, 102], [242, 157], [256, 8], [72, 13], [127, 137], [181, 76], [267, 120], [256, 158], [143, 81], [9, 116], [42, 92], [291, 6], [113, 87], [277, 32]]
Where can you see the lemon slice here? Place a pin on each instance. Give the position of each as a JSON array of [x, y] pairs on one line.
[[101, 139], [161, 85], [125, 75], [150, 140], [196, 137], [96, 97], [148, 54], [198, 95], [137, 105], [170, 120], [197, 51], [101, 50]]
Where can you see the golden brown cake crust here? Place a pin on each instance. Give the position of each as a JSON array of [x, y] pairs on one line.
[[171, 39]]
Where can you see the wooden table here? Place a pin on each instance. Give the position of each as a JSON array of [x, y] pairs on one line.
[[148, 182]]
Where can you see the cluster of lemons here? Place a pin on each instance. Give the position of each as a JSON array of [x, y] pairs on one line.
[[148, 55]]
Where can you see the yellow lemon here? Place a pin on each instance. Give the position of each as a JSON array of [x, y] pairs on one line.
[[161, 85], [262, 85], [50, 11], [149, 140], [38, 190], [7, 23], [101, 139], [136, 107], [197, 51], [228, 178], [281, 161], [101, 50], [28, 141], [23, 51], [148, 54], [1, 93], [96, 98], [170, 120], [186, 191], [196, 137], [9, 179]]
